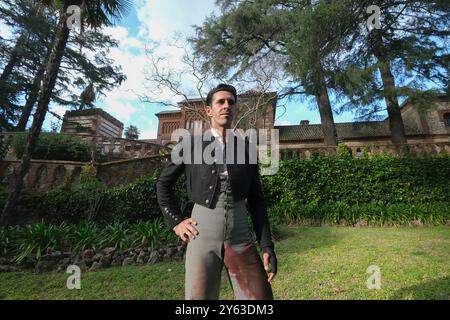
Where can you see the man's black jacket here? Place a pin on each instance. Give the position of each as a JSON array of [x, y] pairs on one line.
[[202, 181]]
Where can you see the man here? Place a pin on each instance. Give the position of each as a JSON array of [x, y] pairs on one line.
[[217, 231]]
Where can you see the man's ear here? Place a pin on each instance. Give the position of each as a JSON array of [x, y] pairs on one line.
[[208, 111]]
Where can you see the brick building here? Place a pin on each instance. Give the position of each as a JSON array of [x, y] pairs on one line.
[[191, 115], [92, 122], [432, 125]]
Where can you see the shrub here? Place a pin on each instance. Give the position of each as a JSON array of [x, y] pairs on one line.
[[368, 213], [116, 235], [352, 181], [5, 240], [54, 146], [149, 234], [92, 200], [82, 236], [72, 205], [5, 143], [38, 239], [329, 189]]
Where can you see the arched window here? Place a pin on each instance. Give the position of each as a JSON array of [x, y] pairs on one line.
[[447, 119]]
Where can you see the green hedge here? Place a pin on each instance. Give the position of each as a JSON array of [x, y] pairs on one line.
[[345, 190], [382, 180], [92, 200], [374, 214], [54, 146], [341, 189]]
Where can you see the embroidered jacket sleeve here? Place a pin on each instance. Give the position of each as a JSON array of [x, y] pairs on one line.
[[258, 211], [167, 199]]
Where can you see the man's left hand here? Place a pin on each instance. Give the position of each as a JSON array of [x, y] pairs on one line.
[[269, 257]]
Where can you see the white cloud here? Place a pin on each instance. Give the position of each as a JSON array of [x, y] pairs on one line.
[[162, 18], [163, 21], [121, 34], [130, 55], [148, 134], [120, 109], [58, 109], [158, 21]]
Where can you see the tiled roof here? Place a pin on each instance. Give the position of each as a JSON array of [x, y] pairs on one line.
[[344, 130], [168, 111], [149, 140]]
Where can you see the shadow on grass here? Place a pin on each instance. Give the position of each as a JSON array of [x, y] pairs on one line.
[[438, 289], [301, 239]]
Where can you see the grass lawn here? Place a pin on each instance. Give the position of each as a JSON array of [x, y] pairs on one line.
[[314, 263]]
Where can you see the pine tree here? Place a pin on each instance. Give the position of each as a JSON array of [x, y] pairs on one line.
[[405, 56], [250, 31], [95, 14], [84, 62]]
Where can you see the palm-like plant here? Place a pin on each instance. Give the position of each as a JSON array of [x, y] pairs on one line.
[[39, 239], [94, 13], [147, 234]]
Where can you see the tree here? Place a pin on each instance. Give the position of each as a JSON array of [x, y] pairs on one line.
[[131, 133], [95, 14], [257, 89], [25, 19], [250, 31], [89, 70], [28, 16], [84, 62], [328, 46], [404, 56]]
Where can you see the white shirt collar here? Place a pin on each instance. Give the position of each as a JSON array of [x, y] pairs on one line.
[[217, 134]]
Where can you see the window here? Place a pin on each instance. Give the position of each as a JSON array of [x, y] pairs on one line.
[[197, 124], [447, 119]]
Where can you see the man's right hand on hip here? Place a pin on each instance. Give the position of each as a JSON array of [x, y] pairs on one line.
[[186, 230]]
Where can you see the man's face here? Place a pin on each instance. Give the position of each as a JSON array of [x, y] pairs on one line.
[[222, 109]]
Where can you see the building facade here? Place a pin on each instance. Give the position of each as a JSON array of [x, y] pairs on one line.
[[255, 110], [429, 126], [92, 122]]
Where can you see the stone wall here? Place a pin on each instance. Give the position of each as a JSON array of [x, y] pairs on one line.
[[126, 171], [45, 175], [416, 149], [119, 148], [111, 148]]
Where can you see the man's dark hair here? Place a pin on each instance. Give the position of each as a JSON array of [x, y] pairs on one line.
[[220, 87]]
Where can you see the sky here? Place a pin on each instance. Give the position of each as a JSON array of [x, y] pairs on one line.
[[153, 24]]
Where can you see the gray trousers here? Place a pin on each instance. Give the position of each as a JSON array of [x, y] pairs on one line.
[[224, 238]]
